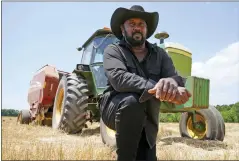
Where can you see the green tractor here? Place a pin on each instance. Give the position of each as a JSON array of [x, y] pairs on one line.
[[77, 95]]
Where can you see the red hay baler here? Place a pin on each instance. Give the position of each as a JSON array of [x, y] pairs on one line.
[[41, 95]]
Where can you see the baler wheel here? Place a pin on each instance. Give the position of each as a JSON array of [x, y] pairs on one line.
[[48, 119], [24, 117], [107, 134], [205, 127], [71, 100]]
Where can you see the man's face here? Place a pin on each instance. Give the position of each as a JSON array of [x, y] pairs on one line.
[[135, 31]]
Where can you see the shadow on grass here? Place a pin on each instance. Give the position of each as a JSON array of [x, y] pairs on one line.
[[90, 131], [204, 144]]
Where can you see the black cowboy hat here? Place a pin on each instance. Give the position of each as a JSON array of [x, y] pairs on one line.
[[120, 15]]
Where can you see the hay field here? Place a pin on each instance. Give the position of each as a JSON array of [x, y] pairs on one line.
[[27, 142]]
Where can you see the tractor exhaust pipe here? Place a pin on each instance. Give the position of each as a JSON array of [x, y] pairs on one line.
[[161, 36]]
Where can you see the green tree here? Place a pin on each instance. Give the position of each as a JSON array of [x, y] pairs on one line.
[[9, 112]]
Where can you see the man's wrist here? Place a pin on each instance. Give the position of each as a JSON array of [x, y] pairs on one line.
[[179, 80], [145, 95]]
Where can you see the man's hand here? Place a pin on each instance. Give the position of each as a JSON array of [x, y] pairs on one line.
[[182, 96], [165, 90]]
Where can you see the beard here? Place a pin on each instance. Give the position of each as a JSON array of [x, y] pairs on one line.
[[137, 39]]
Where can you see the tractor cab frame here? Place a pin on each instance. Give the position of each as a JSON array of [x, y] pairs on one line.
[[92, 59]]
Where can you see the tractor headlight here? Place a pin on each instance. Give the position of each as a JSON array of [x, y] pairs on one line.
[[82, 67]]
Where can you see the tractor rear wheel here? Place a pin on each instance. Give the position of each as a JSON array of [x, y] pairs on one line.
[[107, 134], [205, 127], [24, 117], [221, 125], [71, 101]]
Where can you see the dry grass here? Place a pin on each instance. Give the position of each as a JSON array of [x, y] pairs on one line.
[[27, 142], [171, 146]]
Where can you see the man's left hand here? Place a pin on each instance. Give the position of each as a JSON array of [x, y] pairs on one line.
[[165, 90], [182, 96]]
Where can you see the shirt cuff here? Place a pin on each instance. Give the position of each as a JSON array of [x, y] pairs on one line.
[[180, 80], [145, 95]]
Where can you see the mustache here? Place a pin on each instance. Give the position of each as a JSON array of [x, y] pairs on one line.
[[137, 32]]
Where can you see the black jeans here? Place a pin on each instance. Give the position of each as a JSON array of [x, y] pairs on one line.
[[127, 116], [144, 153]]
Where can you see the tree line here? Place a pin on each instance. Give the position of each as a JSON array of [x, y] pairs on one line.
[[9, 112], [230, 113]]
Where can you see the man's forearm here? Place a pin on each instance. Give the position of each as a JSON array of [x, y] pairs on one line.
[[123, 81], [119, 77]]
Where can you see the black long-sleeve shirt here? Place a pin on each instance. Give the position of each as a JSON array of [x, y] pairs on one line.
[[126, 74]]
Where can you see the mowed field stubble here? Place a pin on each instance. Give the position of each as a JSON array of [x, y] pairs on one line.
[[30, 142]]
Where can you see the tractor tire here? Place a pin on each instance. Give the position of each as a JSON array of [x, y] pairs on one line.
[[71, 101], [24, 117], [221, 124], [207, 118], [107, 134]]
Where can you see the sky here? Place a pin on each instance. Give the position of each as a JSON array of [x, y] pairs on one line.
[[40, 33]]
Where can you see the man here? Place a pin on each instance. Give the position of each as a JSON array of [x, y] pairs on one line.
[[140, 76]]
